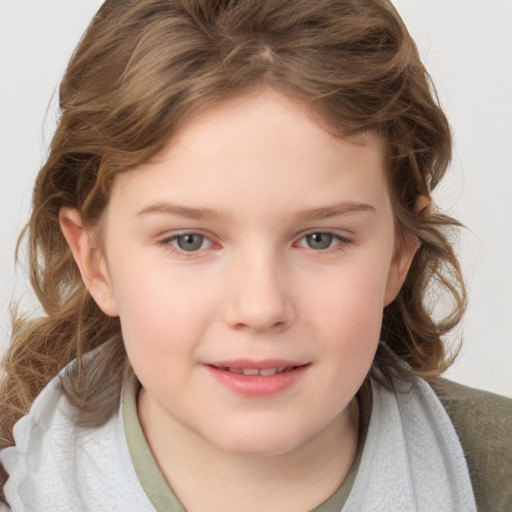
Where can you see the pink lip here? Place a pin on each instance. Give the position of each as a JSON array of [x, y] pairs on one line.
[[257, 385]]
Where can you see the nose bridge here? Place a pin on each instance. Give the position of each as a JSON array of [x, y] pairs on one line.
[[259, 296]]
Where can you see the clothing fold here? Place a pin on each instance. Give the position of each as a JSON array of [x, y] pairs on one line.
[[411, 460]]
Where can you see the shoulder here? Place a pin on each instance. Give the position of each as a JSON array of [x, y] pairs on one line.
[[483, 422], [33, 435], [61, 467]]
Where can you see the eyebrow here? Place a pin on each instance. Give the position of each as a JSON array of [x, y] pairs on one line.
[[189, 212], [334, 210], [180, 211]]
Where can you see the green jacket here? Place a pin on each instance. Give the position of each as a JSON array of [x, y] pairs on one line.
[[483, 422]]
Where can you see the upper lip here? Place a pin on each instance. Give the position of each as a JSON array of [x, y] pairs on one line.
[[256, 364]]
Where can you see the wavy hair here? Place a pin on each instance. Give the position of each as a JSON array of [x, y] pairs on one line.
[[140, 71]]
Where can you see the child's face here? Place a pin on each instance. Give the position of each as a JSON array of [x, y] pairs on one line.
[[255, 241]]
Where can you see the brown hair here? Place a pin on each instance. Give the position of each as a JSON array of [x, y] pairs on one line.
[[141, 70]]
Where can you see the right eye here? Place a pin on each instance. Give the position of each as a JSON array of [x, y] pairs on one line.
[[323, 241], [319, 241], [187, 242]]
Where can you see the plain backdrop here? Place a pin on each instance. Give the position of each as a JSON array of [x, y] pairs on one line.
[[465, 44]]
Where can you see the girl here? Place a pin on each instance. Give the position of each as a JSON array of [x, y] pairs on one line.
[[234, 244]]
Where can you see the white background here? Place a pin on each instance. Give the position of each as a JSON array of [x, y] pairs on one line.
[[465, 44]]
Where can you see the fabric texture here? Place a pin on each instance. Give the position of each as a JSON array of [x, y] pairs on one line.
[[411, 451], [483, 422], [412, 459], [56, 467]]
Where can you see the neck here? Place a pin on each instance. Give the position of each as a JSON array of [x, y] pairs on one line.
[[206, 478]]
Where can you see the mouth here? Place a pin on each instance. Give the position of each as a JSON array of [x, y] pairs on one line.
[[258, 379], [265, 372]]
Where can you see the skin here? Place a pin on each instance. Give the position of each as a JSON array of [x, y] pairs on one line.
[[266, 176]]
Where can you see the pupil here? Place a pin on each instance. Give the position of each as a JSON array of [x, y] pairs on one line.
[[190, 242], [319, 240]]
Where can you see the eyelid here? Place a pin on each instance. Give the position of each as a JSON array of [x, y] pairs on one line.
[[343, 240], [335, 233], [167, 241]]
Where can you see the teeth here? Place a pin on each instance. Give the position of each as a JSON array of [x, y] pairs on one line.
[[265, 372], [251, 371], [268, 371]]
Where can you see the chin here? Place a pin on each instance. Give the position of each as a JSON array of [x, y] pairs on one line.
[[262, 442], [267, 450]]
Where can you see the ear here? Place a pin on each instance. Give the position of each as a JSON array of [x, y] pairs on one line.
[[89, 259], [403, 257]]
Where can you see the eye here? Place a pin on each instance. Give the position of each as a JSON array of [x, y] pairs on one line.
[[187, 242], [321, 240], [190, 242]]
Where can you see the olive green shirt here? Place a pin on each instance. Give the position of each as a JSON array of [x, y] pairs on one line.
[[482, 420]]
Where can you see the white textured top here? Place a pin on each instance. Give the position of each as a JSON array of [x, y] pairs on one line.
[[411, 461], [56, 467]]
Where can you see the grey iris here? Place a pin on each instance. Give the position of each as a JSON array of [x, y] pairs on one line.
[[190, 242], [319, 240]]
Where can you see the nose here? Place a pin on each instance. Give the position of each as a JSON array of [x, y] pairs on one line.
[[259, 297]]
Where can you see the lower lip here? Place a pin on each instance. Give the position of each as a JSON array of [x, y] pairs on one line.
[[257, 385]]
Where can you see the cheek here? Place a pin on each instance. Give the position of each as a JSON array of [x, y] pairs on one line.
[[162, 314], [353, 295], [348, 314]]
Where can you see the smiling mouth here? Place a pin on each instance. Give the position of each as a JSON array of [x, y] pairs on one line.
[[265, 372], [258, 379]]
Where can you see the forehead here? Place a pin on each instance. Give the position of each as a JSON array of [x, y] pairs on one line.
[[255, 149], [261, 117]]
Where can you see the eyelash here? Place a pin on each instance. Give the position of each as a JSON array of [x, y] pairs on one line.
[[167, 243], [342, 242]]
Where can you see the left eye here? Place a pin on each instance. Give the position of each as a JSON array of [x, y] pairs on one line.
[[318, 241], [190, 242]]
